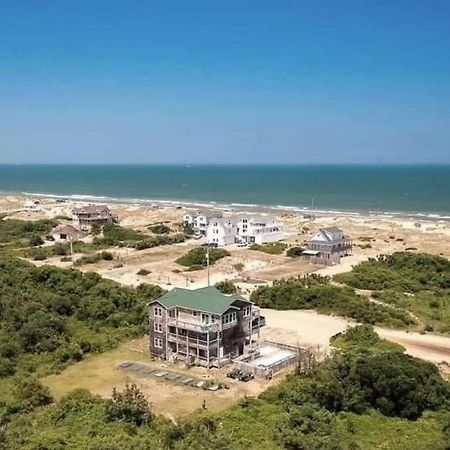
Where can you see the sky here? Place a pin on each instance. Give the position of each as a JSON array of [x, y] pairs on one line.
[[235, 81]]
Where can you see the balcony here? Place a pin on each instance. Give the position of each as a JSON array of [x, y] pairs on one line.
[[194, 326], [171, 337]]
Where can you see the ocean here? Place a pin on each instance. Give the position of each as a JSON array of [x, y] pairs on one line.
[[351, 188]]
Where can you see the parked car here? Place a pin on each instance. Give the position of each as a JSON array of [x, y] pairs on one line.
[[235, 374], [246, 376]]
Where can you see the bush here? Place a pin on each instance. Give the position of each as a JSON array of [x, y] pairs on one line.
[[31, 392], [92, 259], [295, 252], [7, 367], [39, 255], [143, 272], [363, 338], [35, 241], [226, 287], [197, 256], [130, 406]]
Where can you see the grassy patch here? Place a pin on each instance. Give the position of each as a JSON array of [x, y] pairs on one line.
[[93, 259], [271, 248], [160, 229]]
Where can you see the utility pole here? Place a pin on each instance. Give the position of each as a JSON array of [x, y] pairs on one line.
[[312, 208], [71, 247]]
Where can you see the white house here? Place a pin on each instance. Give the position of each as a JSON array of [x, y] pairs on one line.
[[199, 220], [221, 231], [259, 229], [251, 229]]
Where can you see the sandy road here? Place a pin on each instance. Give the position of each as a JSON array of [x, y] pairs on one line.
[[304, 328]]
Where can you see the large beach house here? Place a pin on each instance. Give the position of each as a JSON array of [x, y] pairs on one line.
[[250, 229], [199, 220], [220, 230], [86, 217], [202, 327], [328, 244]]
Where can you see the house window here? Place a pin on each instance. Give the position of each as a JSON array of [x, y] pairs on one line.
[[158, 343], [195, 313], [158, 327], [206, 318], [229, 318], [247, 310], [157, 311], [172, 313]]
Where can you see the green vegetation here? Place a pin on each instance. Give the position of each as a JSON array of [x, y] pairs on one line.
[[159, 229], [160, 239], [368, 395], [272, 248], [402, 271], [22, 233], [315, 292], [50, 317], [92, 259], [363, 338], [115, 234], [352, 401], [197, 257], [60, 249], [295, 252], [415, 282], [227, 287]]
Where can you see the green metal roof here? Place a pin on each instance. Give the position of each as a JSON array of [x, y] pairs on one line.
[[207, 299]]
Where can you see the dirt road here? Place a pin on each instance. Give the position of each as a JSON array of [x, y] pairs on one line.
[[305, 328]]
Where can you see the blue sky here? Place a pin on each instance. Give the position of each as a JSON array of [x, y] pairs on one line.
[[236, 81]]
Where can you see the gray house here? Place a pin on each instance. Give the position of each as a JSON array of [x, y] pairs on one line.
[[328, 244], [202, 327]]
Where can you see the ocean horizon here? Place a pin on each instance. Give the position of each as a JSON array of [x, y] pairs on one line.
[[407, 189]]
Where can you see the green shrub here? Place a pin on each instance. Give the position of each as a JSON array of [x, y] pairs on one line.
[[363, 338], [227, 287], [35, 241], [295, 252], [197, 256]]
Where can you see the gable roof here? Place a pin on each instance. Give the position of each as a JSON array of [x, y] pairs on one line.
[[207, 299], [328, 234], [69, 230]]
